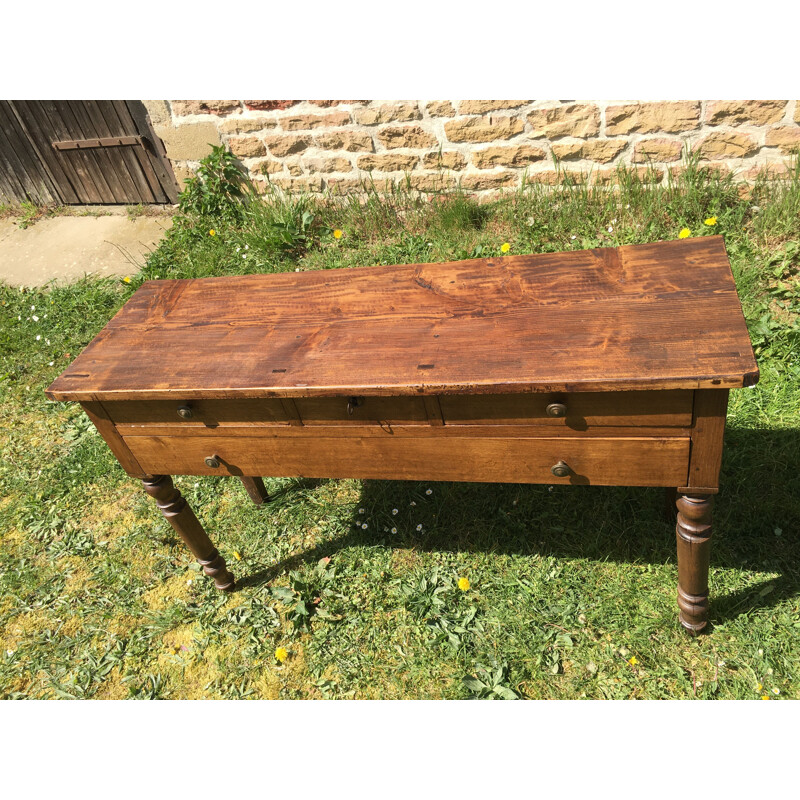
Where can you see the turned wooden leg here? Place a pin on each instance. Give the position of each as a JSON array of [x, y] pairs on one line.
[[256, 489], [694, 542], [178, 513]]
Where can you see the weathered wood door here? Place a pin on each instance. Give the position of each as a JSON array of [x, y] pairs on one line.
[[57, 152]]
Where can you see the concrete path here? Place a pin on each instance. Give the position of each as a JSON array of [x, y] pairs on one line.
[[64, 248]]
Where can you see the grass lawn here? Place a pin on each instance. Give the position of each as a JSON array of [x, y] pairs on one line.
[[572, 590]]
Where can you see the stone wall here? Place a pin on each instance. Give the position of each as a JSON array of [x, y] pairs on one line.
[[485, 145]]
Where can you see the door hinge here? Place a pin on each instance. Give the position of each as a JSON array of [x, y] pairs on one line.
[[108, 141]]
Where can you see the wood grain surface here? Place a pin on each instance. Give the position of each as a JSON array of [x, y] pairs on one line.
[[609, 462], [655, 316]]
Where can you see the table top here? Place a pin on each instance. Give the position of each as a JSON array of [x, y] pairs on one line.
[[655, 316]]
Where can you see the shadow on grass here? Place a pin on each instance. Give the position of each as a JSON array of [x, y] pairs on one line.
[[757, 521]]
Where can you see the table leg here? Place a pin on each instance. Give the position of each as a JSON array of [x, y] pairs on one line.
[[256, 489], [670, 498], [178, 513], [694, 542]]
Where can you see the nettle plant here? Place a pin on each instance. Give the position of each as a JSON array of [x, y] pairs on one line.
[[219, 190]]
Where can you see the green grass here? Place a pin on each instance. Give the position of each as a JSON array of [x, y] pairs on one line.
[[567, 585]]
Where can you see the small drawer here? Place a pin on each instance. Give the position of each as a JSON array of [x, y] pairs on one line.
[[199, 413], [577, 410], [356, 410]]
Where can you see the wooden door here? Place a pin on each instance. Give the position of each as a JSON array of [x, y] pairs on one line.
[[61, 152]]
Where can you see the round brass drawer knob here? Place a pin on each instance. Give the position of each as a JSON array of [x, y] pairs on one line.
[[556, 410], [560, 470], [184, 412], [353, 403], [212, 461]]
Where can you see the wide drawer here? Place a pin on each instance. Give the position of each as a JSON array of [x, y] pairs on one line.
[[618, 461], [577, 410]]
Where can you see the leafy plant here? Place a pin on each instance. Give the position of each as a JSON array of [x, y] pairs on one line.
[[281, 224], [490, 683], [219, 190], [305, 595], [436, 600]]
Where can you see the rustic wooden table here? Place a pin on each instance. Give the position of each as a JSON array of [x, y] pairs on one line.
[[603, 367]]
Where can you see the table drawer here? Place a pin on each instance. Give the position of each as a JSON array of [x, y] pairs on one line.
[[361, 410], [199, 413], [604, 461], [577, 410]]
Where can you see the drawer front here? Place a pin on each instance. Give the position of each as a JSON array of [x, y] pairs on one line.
[[199, 413], [577, 410], [361, 410], [611, 462]]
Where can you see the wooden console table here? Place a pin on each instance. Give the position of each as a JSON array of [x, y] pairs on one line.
[[605, 367]]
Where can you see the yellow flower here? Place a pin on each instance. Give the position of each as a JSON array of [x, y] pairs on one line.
[[505, 247], [633, 661], [337, 234], [237, 555], [126, 279], [765, 697], [759, 687], [281, 654], [463, 584], [684, 233], [212, 232], [711, 221]]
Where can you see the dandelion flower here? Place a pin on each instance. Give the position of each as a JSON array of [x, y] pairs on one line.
[[684, 233], [463, 584], [126, 279], [212, 232], [765, 697], [711, 221], [759, 687], [337, 234], [633, 661], [281, 654], [505, 247], [237, 555]]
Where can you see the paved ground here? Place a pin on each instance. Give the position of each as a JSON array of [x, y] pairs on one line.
[[64, 248]]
